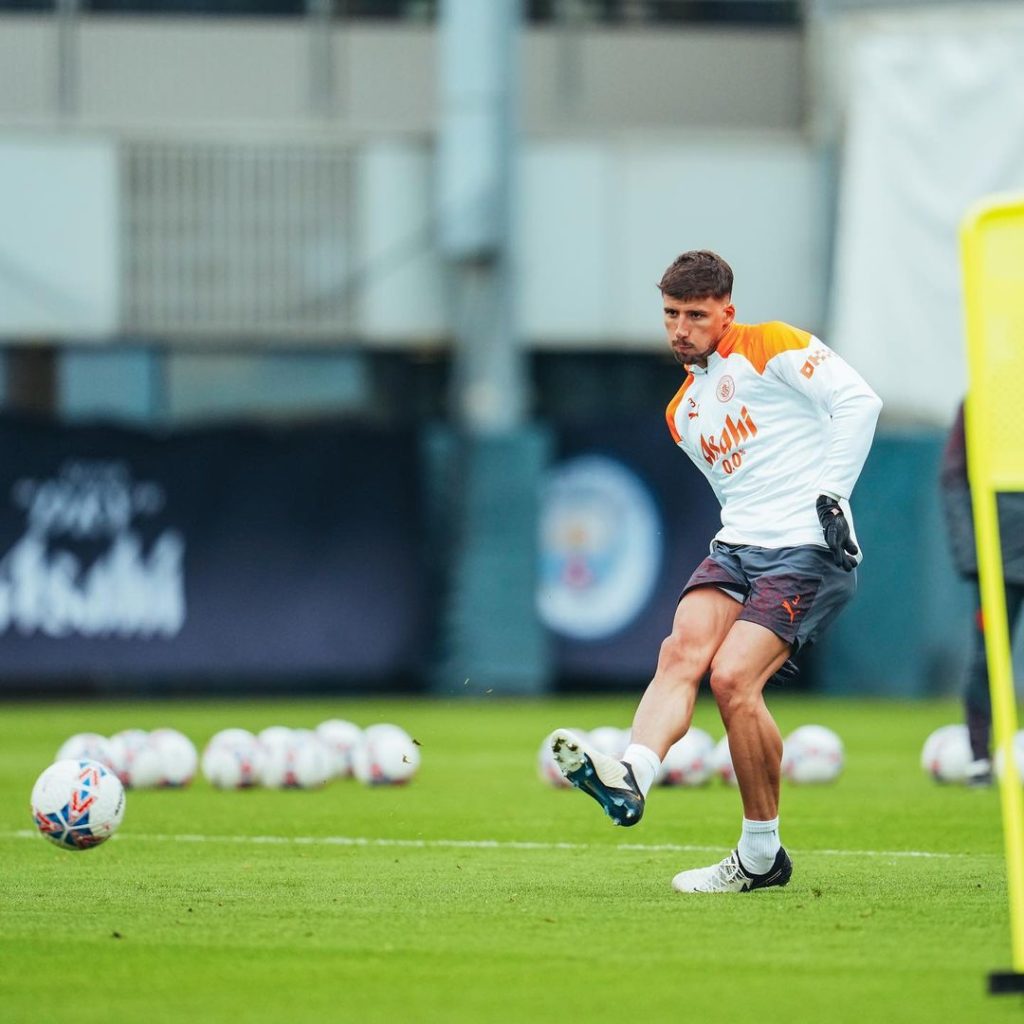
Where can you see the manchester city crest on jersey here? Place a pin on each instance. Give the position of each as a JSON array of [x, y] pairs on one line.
[[725, 389]]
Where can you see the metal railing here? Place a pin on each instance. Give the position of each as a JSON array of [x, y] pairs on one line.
[[241, 239]]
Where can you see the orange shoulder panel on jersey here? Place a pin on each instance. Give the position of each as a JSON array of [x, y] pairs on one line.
[[758, 343], [670, 412]]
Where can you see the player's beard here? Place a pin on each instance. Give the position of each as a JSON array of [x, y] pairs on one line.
[[692, 356]]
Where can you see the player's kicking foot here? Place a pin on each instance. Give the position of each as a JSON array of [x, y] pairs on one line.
[[730, 875], [609, 782]]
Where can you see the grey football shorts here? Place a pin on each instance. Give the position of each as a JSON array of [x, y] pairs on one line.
[[795, 592]]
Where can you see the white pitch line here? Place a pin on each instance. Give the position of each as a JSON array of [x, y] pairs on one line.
[[488, 844]]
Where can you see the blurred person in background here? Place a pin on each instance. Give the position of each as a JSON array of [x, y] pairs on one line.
[[956, 501], [780, 426]]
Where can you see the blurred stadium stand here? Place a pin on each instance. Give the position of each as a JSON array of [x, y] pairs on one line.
[[210, 221]]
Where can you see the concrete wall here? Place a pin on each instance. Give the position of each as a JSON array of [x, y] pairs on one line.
[[157, 74], [639, 142], [598, 221]]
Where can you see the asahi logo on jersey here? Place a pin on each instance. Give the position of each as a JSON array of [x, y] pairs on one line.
[[732, 434]]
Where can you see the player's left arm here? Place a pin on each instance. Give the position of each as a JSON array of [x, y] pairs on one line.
[[824, 378], [828, 381]]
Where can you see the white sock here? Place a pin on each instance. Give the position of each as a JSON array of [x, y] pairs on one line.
[[758, 845], [645, 764]]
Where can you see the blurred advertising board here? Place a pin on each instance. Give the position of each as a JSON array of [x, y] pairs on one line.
[[240, 552]]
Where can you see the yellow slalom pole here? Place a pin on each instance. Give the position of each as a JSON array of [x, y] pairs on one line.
[[992, 247], [1004, 706]]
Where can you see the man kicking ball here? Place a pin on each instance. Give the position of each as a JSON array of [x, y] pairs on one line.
[[780, 425]]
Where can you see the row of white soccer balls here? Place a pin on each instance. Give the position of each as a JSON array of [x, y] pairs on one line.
[[811, 754], [947, 755], [277, 757]]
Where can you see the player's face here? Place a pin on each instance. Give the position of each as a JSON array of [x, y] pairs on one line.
[[694, 327]]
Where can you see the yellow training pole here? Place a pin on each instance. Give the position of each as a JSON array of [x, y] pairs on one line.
[[992, 249]]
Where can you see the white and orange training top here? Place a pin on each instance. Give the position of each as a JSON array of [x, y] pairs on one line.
[[775, 419]]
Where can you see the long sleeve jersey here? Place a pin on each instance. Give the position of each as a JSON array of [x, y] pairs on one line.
[[775, 419]]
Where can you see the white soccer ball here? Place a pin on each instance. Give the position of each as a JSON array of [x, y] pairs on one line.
[[609, 740], [177, 755], [947, 753], [275, 736], [230, 738], [721, 762], [341, 738], [86, 746], [1018, 756], [78, 804], [232, 759], [931, 744], [303, 762], [812, 754], [689, 761], [387, 755], [136, 760]]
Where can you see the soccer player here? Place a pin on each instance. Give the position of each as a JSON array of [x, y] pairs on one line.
[[780, 425], [956, 499]]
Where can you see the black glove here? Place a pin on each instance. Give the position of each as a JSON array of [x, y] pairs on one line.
[[786, 672], [837, 532]]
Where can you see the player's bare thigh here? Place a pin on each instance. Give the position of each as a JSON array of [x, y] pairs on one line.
[[704, 618], [748, 656]]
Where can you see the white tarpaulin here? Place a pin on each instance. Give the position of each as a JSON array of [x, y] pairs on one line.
[[934, 121]]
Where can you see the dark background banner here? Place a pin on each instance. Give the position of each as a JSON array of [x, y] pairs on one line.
[[276, 555], [236, 551], [686, 518]]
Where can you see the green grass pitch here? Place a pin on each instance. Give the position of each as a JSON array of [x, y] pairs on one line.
[[481, 894]]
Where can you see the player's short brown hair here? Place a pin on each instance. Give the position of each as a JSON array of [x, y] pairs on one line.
[[697, 274]]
